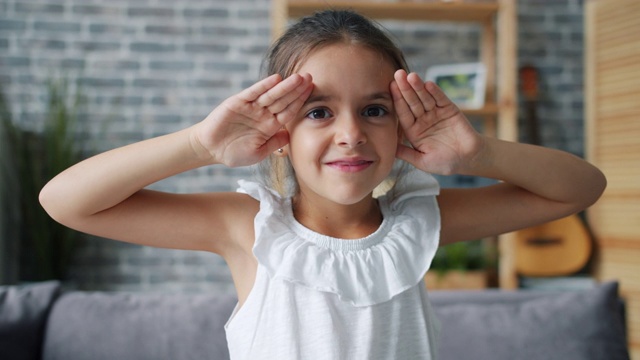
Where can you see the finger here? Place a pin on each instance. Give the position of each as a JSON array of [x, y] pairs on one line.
[[293, 96], [427, 100], [403, 112], [409, 94], [254, 91], [408, 154], [438, 95], [291, 111], [273, 96]]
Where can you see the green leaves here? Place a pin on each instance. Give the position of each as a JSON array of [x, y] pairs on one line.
[[31, 158], [469, 255]]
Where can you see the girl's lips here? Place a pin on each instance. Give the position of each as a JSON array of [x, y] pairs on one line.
[[350, 165]]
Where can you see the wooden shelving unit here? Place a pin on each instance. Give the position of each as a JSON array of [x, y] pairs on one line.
[[422, 11], [498, 52]]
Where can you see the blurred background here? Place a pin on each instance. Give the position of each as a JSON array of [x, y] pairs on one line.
[[111, 73]]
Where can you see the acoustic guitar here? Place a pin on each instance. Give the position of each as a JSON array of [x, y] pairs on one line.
[[557, 248]]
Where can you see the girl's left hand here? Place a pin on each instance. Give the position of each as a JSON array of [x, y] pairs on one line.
[[442, 139]]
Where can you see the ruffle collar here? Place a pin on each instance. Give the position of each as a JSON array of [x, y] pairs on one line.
[[364, 271]]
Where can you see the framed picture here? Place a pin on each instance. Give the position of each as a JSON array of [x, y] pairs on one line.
[[464, 84]]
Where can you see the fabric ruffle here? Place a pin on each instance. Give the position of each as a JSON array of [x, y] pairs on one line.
[[363, 271]]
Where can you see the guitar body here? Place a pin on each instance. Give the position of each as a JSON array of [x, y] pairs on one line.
[[557, 248]]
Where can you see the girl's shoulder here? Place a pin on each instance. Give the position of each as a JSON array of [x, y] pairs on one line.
[[412, 184], [258, 191]]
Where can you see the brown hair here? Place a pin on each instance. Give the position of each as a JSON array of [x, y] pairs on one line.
[[326, 28], [294, 47]]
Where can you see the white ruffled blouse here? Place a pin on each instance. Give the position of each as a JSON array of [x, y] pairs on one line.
[[318, 297]]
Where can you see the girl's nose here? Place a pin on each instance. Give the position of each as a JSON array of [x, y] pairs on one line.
[[349, 131]]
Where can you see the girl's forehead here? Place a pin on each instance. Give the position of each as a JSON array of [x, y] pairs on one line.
[[344, 52], [347, 72], [347, 61], [342, 74]]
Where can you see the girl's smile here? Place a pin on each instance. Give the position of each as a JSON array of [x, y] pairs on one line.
[[349, 165]]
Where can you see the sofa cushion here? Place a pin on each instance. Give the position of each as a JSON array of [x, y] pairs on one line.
[[586, 325], [23, 315], [92, 325]]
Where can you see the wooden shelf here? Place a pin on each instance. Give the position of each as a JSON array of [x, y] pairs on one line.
[[423, 11], [487, 110]]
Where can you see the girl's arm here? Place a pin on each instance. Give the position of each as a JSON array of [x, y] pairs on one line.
[[105, 196], [538, 184]]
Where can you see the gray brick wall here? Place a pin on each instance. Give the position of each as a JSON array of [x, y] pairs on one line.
[[551, 38], [153, 67]]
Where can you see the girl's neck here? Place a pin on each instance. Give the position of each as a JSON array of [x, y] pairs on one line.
[[336, 220]]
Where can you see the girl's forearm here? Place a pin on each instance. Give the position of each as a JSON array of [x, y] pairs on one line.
[[552, 174], [107, 179]]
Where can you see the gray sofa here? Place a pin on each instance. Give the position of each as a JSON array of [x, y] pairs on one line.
[[41, 321]]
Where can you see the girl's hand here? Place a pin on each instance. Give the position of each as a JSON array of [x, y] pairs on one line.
[[248, 126], [442, 139]]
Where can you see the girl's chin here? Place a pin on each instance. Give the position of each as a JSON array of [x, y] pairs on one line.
[[348, 198]]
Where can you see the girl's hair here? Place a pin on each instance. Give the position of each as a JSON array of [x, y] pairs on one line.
[[294, 47], [326, 28]]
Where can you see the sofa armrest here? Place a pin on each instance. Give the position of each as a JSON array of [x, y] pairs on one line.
[[23, 314], [86, 325], [585, 325]]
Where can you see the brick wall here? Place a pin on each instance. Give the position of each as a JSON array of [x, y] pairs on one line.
[[152, 67], [551, 38]]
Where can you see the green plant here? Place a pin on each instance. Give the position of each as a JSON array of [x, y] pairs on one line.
[[461, 256], [46, 247]]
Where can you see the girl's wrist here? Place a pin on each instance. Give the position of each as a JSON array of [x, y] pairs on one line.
[[200, 151], [480, 163]]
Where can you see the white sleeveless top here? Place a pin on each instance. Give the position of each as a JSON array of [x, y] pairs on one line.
[[318, 297]]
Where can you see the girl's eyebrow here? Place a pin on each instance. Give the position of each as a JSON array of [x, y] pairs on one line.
[[323, 98], [317, 98], [380, 95]]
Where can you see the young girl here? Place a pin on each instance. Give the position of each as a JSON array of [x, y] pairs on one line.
[[323, 269]]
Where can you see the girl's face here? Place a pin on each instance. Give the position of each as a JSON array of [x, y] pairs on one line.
[[344, 143]]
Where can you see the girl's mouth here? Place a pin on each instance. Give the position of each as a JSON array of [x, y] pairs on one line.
[[349, 165]]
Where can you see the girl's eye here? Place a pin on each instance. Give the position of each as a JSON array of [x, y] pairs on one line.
[[316, 114], [374, 111]]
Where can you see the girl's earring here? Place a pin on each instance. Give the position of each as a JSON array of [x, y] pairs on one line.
[[280, 152]]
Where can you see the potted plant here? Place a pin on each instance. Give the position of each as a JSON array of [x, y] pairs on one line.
[[462, 265], [32, 157]]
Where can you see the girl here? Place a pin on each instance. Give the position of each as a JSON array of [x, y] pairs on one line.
[[323, 269]]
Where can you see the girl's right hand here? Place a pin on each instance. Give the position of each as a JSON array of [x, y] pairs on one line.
[[248, 126]]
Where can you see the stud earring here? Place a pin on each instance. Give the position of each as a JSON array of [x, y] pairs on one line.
[[280, 151]]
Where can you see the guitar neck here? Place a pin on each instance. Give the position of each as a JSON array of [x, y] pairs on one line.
[[532, 122]]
